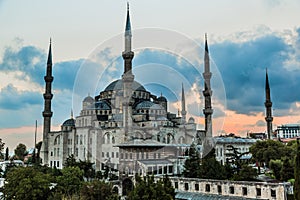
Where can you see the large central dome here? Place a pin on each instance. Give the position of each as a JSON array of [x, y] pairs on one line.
[[118, 85]]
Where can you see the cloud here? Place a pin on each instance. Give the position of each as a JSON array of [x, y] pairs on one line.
[[31, 61], [260, 123], [12, 99], [243, 65]]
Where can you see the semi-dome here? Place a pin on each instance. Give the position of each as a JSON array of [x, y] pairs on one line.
[[118, 85], [148, 105], [102, 105], [69, 122]]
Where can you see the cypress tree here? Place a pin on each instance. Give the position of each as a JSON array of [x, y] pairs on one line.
[[192, 164]]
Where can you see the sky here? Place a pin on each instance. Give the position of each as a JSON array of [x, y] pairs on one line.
[[245, 38]]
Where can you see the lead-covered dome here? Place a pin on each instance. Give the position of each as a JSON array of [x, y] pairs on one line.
[[162, 98], [88, 99], [69, 122], [148, 105], [118, 85]]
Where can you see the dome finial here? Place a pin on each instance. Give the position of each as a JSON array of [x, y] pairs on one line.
[[71, 113]]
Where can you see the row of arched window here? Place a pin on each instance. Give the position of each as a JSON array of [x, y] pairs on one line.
[[108, 139], [169, 139]]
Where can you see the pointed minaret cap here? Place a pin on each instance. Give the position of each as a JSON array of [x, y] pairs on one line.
[[49, 61], [72, 114], [206, 46], [128, 24], [267, 80]]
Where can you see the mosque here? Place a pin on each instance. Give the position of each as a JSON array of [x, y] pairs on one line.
[[125, 127]]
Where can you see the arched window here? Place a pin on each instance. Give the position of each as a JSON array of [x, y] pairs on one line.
[[57, 140], [169, 138], [158, 137], [181, 140], [106, 138], [113, 140]]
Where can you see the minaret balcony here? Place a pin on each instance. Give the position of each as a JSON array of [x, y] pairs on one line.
[[208, 111], [268, 104], [47, 114], [128, 55], [48, 95], [48, 78], [207, 93], [269, 119]]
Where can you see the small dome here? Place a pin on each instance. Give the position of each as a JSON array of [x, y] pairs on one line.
[[118, 85], [162, 98], [148, 105], [191, 120], [69, 122], [89, 99]]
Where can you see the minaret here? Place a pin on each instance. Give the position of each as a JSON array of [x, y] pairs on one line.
[[47, 113], [268, 105], [127, 78], [207, 111], [183, 111]]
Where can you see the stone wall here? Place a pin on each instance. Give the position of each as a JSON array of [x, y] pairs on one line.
[[245, 189]]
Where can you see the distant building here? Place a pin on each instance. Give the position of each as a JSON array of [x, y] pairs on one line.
[[8, 163], [223, 145], [288, 131], [258, 135]]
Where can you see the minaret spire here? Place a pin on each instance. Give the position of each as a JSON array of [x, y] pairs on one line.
[[183, 111], [206, 46], [47, 113], [207, 111], [127, 78], [128, 24], [268, 105]]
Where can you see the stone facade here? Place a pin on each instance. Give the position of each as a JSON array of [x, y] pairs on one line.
[[123, 112], [230, 189]]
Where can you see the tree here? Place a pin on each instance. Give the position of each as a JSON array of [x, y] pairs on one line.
[[297, 173], [97, 190], [85, 166], [246, 173], [70, 182], [275, 166], [38, 146], [264, 151], [235, 157], [287, 170], [192, 163], [146, 188], [26, 183], [210, 168], [6, 154], [1, 149], [71, 161], [20, 151]]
